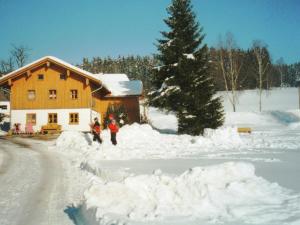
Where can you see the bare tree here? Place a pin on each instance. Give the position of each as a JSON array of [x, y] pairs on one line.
[[230, 62], [280, 67], [20, 54], [6, 66], [262, 62]]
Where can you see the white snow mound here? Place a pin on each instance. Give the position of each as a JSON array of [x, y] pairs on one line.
[[143, 142], [227, 137], [219, 193], [70, 140]]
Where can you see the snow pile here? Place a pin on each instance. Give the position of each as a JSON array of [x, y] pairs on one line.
[[71, 140], [143, 142], [221, 193], [163, 121], [225, 137]]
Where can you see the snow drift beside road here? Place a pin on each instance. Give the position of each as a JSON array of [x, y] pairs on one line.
[[220, 193], [142, 142]]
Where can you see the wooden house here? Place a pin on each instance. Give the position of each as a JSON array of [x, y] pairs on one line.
[[51, 91]]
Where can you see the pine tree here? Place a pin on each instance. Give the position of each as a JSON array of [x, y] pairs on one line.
[[182, 83]]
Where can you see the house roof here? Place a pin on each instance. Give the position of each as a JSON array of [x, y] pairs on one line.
[[116, 84], [120, 85], [42, 61]]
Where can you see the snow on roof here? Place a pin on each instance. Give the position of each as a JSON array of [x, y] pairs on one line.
[[117, 84], [120, 85], [59, 61]]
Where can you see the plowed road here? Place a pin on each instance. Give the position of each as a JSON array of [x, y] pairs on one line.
[[33, 185]]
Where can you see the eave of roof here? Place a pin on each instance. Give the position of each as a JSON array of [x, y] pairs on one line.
[[97, 78], [50, 59]]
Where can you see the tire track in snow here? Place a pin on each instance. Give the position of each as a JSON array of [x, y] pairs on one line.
[[15, 181], [34, 187], [5, 161]]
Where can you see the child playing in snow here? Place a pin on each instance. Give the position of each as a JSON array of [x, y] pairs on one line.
[[113, 131], [96, 131]]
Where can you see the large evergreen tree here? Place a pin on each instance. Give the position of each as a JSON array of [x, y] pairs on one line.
[[182, 83]]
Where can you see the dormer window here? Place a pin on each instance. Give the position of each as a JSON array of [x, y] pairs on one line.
[[74, 94], [52, 94], [41, 77], [31, 94], [62, 76]]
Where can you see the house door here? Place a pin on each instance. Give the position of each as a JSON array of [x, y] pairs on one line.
[[52, 118]]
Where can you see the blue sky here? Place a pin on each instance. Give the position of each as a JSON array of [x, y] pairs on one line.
[[73, 29]]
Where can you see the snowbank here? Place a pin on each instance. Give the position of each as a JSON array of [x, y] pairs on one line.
[[225, 137], [221, 193], [70, 140], [163, 121], [143, 142]]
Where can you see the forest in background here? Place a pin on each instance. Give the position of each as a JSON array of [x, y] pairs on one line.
[[277, 74]]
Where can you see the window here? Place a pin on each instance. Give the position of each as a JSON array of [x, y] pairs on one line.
[[3, 106], [41, 77], [62, 76], [31, 94], [31, 118], [74, 94], [52, 94], [52, 118], [73, 118]]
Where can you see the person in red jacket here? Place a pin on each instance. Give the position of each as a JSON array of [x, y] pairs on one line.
[[113, 131], [96, 129]]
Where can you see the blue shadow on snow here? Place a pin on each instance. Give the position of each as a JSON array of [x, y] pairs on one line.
[[74, 213]]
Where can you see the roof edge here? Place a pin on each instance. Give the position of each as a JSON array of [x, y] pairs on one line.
[[53, 59]]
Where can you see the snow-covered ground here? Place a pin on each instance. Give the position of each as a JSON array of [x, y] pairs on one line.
[[154, 176], [275, 99], [36, 186]]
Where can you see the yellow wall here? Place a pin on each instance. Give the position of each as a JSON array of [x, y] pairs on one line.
[[21, 85]]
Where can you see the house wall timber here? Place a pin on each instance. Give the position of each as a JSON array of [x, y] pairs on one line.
[[131, 104], [22, 84]]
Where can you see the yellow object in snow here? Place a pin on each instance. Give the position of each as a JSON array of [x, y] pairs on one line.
[[244, 130]]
